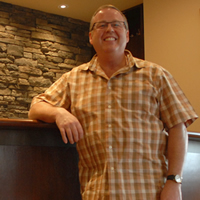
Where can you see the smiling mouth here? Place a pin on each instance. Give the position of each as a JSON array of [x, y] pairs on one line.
[[110, 39]]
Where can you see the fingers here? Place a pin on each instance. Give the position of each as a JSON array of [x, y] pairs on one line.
[[69, 126], [63, 135], [73, 133]]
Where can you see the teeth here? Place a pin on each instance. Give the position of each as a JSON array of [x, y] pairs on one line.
[[109, 39]]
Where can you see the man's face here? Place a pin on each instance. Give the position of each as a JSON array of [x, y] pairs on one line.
[[109, 39]]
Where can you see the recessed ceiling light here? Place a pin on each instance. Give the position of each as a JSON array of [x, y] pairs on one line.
[[63, 6]]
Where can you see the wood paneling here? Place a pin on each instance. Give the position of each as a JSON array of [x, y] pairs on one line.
[[135, 17], [35, 164]]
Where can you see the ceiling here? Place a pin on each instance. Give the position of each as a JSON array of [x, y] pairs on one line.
[[77, 9]]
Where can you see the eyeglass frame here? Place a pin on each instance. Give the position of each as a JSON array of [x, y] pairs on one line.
[[107, 23]]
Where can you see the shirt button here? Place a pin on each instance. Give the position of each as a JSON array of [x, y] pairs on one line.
[[109, 125], [110, 147], [109, 106], [112, 168]]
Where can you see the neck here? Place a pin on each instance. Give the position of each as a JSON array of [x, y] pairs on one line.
[[111, 63]]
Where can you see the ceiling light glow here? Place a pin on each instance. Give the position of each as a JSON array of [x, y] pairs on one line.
[[63, 6]]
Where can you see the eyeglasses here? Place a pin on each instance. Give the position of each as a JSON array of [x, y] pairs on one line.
[[103, 25]]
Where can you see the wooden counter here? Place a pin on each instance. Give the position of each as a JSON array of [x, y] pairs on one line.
[[35, 164]]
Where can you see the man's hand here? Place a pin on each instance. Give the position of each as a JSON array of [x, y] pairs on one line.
[[69, 126], [171, 191]]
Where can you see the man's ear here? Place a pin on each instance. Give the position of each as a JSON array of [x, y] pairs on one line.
[[90, 37], [127, 37]]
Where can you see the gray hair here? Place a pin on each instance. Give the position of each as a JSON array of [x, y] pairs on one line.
[[112, 7]]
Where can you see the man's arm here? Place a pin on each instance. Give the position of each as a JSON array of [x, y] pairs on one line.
[[66, 122], [177, 149]]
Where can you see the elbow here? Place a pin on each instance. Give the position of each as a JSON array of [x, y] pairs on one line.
[[31, 113]]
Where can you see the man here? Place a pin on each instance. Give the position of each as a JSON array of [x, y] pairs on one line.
[[120, 110]]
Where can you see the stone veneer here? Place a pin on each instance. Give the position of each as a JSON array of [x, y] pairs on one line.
[[36, 48]]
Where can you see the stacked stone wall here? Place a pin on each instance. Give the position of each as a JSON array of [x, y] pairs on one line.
[[36, 48]]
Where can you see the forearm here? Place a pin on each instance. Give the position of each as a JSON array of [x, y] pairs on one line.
[[177, 149], [44, 112], [66, 122]]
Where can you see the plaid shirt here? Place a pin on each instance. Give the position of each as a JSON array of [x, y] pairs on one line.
[[125, 119]]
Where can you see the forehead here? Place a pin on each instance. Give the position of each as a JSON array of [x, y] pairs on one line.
[[108, 14]]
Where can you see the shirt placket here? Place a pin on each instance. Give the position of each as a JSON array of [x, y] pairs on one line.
[[109, 140]]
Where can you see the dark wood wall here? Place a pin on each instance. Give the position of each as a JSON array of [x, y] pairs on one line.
[[35, 164], [135, 18]]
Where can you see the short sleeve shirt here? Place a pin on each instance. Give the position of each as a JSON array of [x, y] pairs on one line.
[[125, 119]]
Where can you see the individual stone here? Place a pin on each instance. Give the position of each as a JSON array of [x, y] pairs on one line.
[[14, 74], [2, 73], [32, 44], [66, 41], [8, 79], [23, 75], [30, 70], [3, 47], [10, 41], [5, 60], [17, 93], [23, 82], [12, 67], [66, 66], [2, 28], [48, 74], [32, 50], [3, 55], [55, 59], [11, 28], [5, 91], [32, 94], [26, 62], [9, 98], [65, 54], [39, 82], [42, 36], [39, 90], [28, 55], [15, 50], [70, 61]]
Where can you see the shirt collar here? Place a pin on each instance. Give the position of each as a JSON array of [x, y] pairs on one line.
[[130, 62], [133, 61]]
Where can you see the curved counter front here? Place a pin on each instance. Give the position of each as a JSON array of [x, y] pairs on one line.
[[35, 164]]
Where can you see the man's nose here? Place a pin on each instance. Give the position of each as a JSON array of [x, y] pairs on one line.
[[109, 27]]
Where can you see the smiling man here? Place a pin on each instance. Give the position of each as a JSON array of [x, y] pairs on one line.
[[124, 113]]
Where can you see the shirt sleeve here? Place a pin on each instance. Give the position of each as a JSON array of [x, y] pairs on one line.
[[57, 94], [175, 108]]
